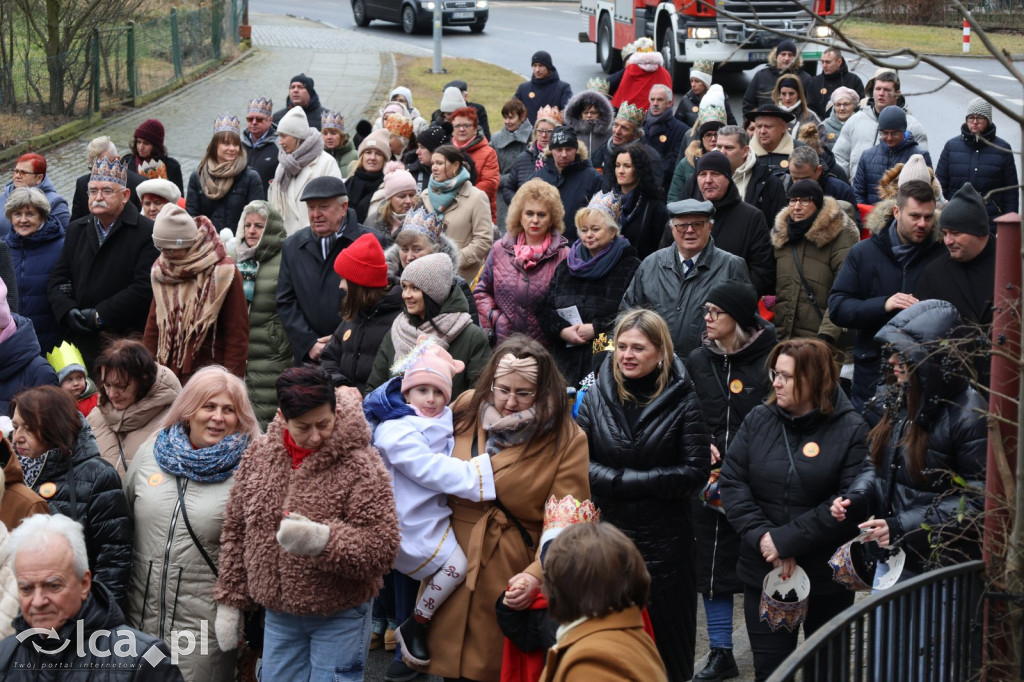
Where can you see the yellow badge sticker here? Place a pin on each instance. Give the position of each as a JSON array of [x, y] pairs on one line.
[[48, 490], [532, 95], [662, 138], [831, 136], [735, 385], [811, 450], [155, 480], [348, 333], [696, 109], [824, 91], [784, 163]]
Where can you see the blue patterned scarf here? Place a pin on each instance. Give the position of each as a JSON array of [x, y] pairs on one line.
[[248, 269], [175, 455], [442, 194], [585, 265]]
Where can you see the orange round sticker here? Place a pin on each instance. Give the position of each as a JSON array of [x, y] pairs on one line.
[[348, 333], [831, 136], [811, 450], [155, 480], [662, 138], [48, 490], [696, 109], [532, 95], [735, 385], [824, 91], [784, 163]]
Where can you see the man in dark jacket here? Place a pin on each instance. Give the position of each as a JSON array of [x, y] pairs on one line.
[[101, 148], [772, 144], [662, 132], [879, 276], [627, 127], [977, 156], [545, 88], [834, 74], [739, 228], [58, 595], [260, 139], [308, 294], [301, 93], [896, 145], [675, 281], [782, 59], [570, 172], [100, 282], [755, 183]]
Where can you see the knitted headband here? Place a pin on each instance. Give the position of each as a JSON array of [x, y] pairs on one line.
[[524, 367]]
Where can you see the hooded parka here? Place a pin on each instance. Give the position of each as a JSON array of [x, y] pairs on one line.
[[21, 365], [876, 161], [33, 258], [593, 133]]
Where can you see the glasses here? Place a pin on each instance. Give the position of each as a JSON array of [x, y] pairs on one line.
[[255, 119], [842, 104], [711, 313], [540, 131], [695, 226], [802, 201], [502, 394], [890, 133], [779, 376], [975, 118], [105, 192], [462, 126], [18, 171]]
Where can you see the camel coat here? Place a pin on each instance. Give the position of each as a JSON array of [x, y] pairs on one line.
[[612, 648], [468, 224], [464, 638]]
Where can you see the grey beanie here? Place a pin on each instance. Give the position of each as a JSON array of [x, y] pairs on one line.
[[451, 100], [965, 212], [892, 118], [432, 275], [980, 107]]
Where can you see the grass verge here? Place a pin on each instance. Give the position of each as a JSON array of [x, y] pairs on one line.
[[932, 39], [489, 85]]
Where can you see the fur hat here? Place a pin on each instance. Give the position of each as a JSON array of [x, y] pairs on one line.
[[362, 262], [966, 212], [980, 107], [738, 300], [152, 130], [451, 100], [435, 136], [173, 228], [380, 140], [165, 189], [294, 123], [807, 188], [431, 274], [702, 70], [431, 365]]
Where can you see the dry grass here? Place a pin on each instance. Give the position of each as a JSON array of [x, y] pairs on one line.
[[489, 85], [15, 128], [932, 39]]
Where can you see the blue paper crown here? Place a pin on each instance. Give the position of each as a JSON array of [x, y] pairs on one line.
[[226, 123], [425, 222], [109, 171], [261, 105], [609, 202]]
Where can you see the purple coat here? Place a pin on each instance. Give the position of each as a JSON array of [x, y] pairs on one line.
[[507, 295]]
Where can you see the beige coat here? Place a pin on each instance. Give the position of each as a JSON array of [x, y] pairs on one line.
[[468, 224], [8, 586], [287, 203], [464, 637], [120, 433], [613, 648]]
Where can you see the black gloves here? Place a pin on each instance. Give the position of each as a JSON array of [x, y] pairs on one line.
[[82, 321]]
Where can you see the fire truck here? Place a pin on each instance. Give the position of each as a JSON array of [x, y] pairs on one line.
[[728, 32]]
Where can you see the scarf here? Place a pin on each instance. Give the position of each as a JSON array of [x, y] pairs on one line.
[[527, 255], [442, 194], [539, 162], [476, 139], [796, 229], [188, 294], [796, 106], [31, 467], [174, 454], [290, 165], [404, 334], [216, 180], [586, 265], [504, 432], [298, 454], [248, 269], [243, 251], [903, 253], [631, 202]]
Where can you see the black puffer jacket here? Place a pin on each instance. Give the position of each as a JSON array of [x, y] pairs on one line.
[[643, 479], [40, 658], [823, 85], [983, 162], [348, 356], [89, 491], [765, 491], [952, 414], [226, 211], [728, 387]]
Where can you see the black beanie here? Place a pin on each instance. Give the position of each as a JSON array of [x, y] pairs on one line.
[[433, 137], [965, 212], [563, 136], [542, 57], [738, 300], [715, 161], [786, 45], [807, 188]]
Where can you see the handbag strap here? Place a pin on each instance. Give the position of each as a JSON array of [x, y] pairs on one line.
[[527, 538], [188, 526], [807, 287]]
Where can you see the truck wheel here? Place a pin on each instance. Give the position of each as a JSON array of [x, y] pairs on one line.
[[679, 71], [610, 58]]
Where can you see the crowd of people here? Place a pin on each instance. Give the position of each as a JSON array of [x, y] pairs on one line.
[[374, 391]]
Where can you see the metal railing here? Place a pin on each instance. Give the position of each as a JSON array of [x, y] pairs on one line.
[[927, 629]]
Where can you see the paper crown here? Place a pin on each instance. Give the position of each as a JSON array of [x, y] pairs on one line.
[[260, 105], [598, 85], [602, 343], [425, 222], [784, 602], [399, 125], [609, 202], [154, 170], [332, 119], [65, 359], [704, 66], [852, 566], [109, 171], [226, 123], [643, 44], [631, 114], [559, 514], [550, 113]]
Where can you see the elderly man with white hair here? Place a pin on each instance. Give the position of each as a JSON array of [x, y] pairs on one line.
[[100, 148], [663, 132], [68, 622]]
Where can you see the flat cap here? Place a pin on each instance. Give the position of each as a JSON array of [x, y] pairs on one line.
[[691, 207], [324, 188]]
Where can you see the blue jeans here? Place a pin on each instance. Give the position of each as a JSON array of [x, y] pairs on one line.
[[719, 617], [316, 648]]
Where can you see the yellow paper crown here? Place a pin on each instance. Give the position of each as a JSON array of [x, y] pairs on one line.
[[64, 356]]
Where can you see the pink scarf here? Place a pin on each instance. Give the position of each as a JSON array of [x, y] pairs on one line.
[[528, 256]]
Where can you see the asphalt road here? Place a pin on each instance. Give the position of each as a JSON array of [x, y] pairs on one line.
[[517, 29]]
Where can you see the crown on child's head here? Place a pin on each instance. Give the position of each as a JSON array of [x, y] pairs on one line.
[[226, 123], [65, 359], [109, 171]]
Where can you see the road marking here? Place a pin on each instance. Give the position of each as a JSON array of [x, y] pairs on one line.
[[1005, 78], [965, 69], [924, 77], [992, 93], [1018, 102]]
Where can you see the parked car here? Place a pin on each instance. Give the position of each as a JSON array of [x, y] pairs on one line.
[[416, 16]]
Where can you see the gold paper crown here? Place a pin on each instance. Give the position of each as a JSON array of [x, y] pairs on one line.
[[704, 66], [602, 343], [561, 513], [226, 123], [598, 85], [399, 125], [65, 355], [609, 202], [550, 113], [631, 114], [261, 105], [109, 171], [154, 170], [425, 222], [332, 119]]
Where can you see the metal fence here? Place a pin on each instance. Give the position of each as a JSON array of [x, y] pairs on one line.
[[992, 15], [927, 629]]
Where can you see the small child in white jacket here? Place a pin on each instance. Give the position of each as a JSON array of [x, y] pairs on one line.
[[415, 438]]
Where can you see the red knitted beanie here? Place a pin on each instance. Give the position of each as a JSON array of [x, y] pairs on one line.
[[362, 263], [152, 131]]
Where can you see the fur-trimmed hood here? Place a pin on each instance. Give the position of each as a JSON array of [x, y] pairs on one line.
[[579, 103], [693, 152], [828, 224]]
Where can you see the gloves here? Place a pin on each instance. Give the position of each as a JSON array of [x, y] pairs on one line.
[[91, 318], [300, 536], [226, 627], [76, 320]]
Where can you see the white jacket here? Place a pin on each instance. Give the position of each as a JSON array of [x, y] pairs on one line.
[[860, 133], [287, 203], [8, 586]]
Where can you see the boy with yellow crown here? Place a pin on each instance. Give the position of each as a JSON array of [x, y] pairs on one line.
[[67, 362]]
